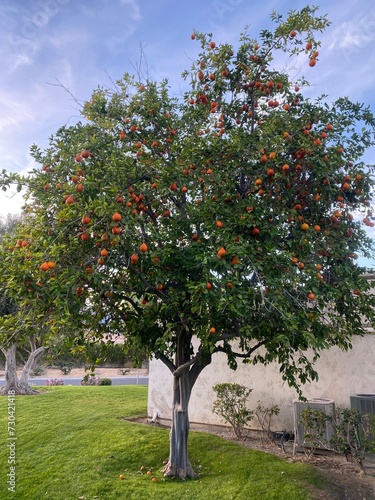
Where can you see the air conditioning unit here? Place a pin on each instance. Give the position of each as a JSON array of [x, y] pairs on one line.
[[326, 406], [365, 403]]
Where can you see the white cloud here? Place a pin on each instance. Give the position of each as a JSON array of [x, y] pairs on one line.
[[136, 11]]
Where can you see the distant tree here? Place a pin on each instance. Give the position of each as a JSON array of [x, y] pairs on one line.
[[219, 222], [9, 222], [14, 335]]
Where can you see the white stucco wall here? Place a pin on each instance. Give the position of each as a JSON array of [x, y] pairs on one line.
[[341, 375]]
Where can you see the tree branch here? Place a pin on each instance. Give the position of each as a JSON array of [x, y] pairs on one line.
[[186, 365], [168, 363], [239, 354]]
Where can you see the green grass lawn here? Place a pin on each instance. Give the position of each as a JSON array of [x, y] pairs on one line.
[[73, 443]]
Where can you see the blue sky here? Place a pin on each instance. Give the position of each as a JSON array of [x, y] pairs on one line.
[[84, 43]]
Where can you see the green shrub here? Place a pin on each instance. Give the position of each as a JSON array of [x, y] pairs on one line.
[[231, 406], [353, 432], [38, 370], [65, 370], [105, 381], [264, 415]]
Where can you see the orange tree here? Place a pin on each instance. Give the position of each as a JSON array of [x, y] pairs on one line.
[[221, 221]]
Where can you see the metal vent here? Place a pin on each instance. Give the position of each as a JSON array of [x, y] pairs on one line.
[[365, 403], [325, 405]]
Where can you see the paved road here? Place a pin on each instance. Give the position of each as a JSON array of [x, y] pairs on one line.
[[141, 380]]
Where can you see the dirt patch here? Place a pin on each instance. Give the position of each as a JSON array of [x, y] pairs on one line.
[[345, 481]]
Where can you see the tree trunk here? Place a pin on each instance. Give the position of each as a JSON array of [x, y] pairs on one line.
[[179, 464], [30, 363], [12, 382]]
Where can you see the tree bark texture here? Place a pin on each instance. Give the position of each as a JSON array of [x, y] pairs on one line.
[[179, 464]]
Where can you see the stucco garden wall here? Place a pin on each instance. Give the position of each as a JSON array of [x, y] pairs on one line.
[[341, 374]]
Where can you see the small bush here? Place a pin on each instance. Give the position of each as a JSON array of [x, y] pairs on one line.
[[65, 370], [54, 381], [352, 432], [91, 379], [105, 381], [264, 415], [124, 371], [314, 424], [38, 370], [231, 406]]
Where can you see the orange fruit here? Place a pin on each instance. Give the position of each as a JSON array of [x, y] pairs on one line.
[[221, 252], [116, 217], [304, 226], [311, 296], [51, 265], [134, 258], [317, 227], [86, 219], [44, 266], [255, 231], [208, 285], [212, 330], [69, 200], [104, 252], [143, 247], [219, 223]]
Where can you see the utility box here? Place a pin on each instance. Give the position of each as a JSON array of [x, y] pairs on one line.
[[365, 403], [326, 406]]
